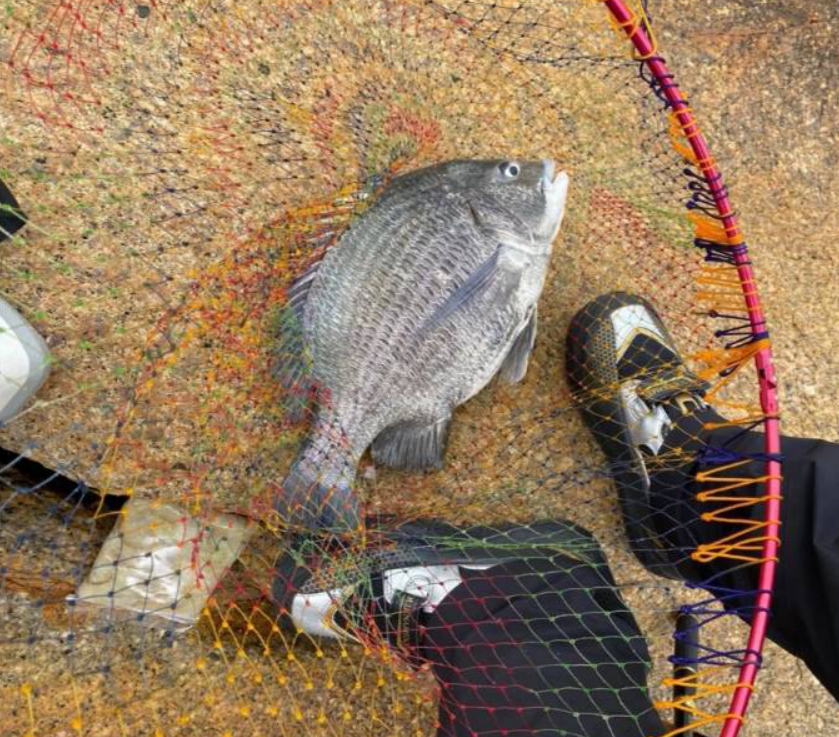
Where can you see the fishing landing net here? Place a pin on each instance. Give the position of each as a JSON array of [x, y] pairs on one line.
[[178, 165]]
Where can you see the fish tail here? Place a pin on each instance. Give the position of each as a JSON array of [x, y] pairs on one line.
[[318, 492]]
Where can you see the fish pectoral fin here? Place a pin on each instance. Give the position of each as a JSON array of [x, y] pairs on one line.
[[476, 284], [412, 447], [515, 364]]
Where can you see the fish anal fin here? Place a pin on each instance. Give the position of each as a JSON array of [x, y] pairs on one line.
[[412, 447], [515, 364]]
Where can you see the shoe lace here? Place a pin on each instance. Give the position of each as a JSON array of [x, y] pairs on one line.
[[656, 402], [674, 383], [368, 618]]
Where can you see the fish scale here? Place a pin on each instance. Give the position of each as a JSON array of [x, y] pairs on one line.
[[421, 301], [422, 263]]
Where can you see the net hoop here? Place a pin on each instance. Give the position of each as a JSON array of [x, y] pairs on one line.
[[636, 29]]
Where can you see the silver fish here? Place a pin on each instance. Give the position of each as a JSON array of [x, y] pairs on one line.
[[418, 305]]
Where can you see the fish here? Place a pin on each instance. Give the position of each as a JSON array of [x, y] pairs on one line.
[[423, 299]]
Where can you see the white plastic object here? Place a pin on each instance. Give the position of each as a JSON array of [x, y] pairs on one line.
[[24, 361], [162, 564]]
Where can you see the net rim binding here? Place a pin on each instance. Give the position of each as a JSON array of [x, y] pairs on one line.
[[645, 49]]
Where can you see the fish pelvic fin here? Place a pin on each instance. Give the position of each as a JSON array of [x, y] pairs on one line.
[[515, 364], [412, 447]]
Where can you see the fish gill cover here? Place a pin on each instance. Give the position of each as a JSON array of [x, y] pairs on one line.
[[179, 166]]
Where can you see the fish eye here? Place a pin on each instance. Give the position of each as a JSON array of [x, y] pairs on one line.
[[509, 169]]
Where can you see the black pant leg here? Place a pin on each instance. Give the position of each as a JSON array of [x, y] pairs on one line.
[[11, 217], [536, 648], [805, 607]]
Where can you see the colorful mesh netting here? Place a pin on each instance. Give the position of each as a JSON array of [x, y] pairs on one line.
[[180, 164]]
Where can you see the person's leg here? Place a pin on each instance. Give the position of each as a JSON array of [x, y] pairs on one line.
[[649, 415], [12, 218], [539, 647], [805, 603], [521, 625]]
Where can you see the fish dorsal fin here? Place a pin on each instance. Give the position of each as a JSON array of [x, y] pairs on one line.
[[292, 367], [515, 364], [412, 447], [298, 292]]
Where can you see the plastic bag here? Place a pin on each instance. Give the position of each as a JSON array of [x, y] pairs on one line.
[[162, 564]]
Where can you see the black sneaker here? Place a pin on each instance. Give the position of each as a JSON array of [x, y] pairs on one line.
[[630, 382], [379, 594]]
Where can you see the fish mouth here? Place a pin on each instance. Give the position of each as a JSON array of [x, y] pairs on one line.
[[548, 170], [555, 188]]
